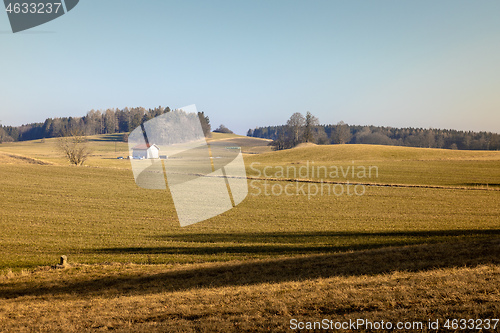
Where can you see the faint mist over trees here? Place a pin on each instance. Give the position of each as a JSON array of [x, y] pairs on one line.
[[297, 130], [95, 122]]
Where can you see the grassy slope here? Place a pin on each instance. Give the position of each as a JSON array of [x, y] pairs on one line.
[[396, 165], [106, 148], [97, 215]]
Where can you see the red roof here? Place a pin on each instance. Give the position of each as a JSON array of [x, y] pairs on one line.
[[144, 146]]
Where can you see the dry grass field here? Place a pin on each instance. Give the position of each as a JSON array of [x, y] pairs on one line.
[[422, 243]]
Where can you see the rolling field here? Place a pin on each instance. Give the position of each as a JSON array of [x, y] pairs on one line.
[[430, 218], [396, 165]]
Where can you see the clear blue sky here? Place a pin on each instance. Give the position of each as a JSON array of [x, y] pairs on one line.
[[254, 63]]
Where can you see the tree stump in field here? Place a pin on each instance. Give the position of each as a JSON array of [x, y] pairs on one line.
[[63, 263]]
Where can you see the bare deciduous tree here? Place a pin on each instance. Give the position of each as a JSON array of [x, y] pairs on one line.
[[75, 147], [295, 127], [320, 136], [342, 133], [281, 141], [223, 129]]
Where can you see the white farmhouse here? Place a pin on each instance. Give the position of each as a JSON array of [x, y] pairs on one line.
[[146, 151]]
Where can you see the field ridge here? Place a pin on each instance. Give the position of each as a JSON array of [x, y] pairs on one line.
[[23, 158], [481, 187]]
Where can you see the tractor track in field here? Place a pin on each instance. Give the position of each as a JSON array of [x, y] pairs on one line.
[[484, 187], [480, 187]]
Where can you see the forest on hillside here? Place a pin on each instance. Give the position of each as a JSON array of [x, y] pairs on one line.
[[95, 122], [299, 129]]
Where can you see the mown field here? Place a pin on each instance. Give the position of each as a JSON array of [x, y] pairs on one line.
[[272, 258]]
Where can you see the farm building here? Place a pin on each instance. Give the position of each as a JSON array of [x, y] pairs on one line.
[[145, 151]]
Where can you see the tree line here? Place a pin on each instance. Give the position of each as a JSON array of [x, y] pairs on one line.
[[94, 122], [299, 129]]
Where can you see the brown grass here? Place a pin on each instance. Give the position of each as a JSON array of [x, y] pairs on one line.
[[414, 283], [10, 158], [305, 144]]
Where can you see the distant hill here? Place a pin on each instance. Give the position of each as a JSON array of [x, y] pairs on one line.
[[359, 152]]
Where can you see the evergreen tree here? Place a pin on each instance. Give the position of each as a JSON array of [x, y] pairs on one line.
[[311, 122], [205, 124]]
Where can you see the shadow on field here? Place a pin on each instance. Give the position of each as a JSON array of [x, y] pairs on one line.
[[294, 243], [110, 137], [321, 237], [481, 184], [128, 281]]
